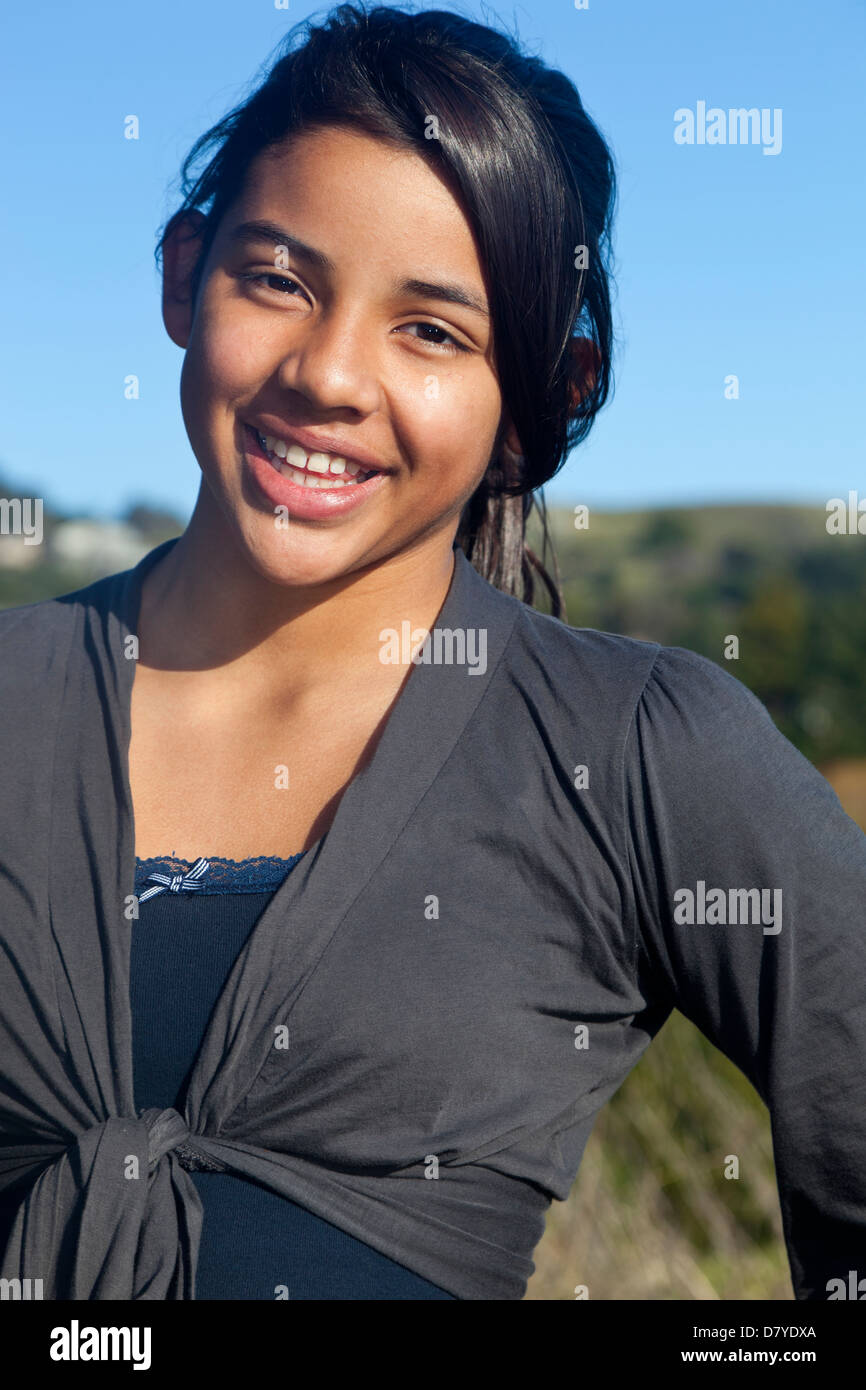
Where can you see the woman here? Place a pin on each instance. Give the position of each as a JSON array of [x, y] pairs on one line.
[[419, 871]]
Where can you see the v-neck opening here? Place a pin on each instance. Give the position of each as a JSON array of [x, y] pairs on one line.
[[308, 907]]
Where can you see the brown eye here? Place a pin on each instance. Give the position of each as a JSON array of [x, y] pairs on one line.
[[451, 346], [256, 277]]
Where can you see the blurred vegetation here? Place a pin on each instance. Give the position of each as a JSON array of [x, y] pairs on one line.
[[651, 1215]]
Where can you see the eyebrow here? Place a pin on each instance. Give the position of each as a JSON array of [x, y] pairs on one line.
[[448, 292]]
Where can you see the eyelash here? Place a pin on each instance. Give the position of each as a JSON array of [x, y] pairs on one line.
[[256, 277]]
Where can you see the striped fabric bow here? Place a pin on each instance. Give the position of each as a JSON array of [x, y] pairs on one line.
[[177, 883]]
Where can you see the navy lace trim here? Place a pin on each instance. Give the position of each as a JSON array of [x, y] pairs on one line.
[[256, 875]]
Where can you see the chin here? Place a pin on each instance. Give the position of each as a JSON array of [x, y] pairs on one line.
[[289, 560]]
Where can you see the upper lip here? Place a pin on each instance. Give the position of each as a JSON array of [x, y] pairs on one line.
[[315, 442]]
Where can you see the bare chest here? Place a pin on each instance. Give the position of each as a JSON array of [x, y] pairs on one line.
[[237, 787]]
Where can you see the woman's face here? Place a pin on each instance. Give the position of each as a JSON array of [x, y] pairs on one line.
[[335, 343]]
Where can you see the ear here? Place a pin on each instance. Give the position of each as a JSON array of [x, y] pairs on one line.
[[180, 253], [510, 439], [585, 363]]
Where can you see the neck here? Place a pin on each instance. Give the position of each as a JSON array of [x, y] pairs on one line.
[[205, 606]]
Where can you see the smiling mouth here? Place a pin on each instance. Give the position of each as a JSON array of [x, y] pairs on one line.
[[310, 469]]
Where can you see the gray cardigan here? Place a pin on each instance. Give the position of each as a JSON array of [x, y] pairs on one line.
[[551, 848]]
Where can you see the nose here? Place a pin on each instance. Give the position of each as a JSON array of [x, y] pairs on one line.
[[333, 362]]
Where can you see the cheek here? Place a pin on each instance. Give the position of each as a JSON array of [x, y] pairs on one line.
[[451, 424], [226, 356]]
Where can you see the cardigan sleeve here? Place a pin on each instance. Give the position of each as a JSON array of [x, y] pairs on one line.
[[719, 803]]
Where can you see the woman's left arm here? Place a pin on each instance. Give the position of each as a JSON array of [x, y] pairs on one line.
[[750, 887]]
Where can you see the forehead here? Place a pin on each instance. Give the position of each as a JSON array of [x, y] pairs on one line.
[[355, 189], [347, 151]]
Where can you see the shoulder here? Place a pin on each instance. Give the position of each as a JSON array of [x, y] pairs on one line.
[[36, 639], [693, 697], [581, 663], [657, 706], [32, 637], [695, 716], [704, 743], [674, 686]]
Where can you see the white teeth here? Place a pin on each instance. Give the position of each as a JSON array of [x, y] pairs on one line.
[[308, 479], [294, 474], [311, 470]]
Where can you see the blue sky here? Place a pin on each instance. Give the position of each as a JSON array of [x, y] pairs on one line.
[[728, 260]]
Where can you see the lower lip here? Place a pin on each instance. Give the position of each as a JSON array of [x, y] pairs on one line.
[[308, 504]]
